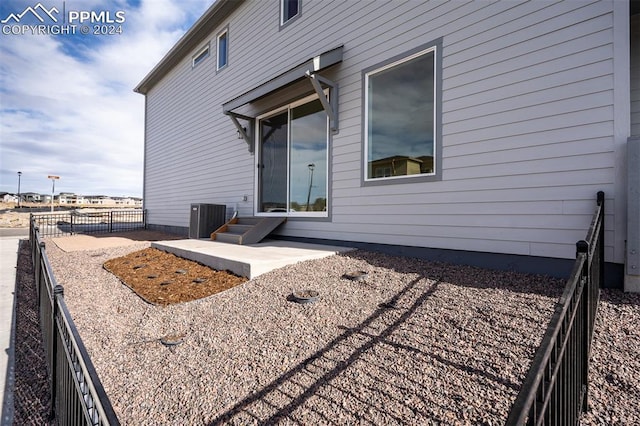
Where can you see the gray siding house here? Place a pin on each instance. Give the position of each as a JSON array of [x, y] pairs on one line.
[[467, 131]]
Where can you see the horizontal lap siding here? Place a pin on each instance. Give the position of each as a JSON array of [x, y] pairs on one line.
[[527, 122], [193, 154], [527, 130]]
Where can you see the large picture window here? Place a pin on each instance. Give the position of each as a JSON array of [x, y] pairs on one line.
[[293, 160], [401, 118]]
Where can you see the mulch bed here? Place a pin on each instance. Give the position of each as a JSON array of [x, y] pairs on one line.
[[162, 278]]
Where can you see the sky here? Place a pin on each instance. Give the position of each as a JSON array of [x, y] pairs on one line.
[[67, 106], [401, 120]]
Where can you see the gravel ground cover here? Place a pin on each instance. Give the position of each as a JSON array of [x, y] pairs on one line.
[[614, 370], [416, 342], [32, 400], [353, 374]]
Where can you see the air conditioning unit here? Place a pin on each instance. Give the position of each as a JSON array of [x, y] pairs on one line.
[[206, 218]]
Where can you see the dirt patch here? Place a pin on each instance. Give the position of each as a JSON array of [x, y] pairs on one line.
[[83, 242], [14, 219], [163, 278]]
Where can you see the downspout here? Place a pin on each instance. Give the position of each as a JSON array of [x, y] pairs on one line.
[[144, 159]]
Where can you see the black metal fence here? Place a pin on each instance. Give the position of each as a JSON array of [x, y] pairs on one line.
[[556, 387], [94, 222], [77, 395]]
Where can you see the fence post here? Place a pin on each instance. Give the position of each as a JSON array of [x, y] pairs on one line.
[[110, 221], [33, 240], [582, 247], [38, 271], [58, 291], [600, 200]]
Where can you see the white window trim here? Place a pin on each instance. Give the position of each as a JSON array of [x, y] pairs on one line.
[[436, 165], [294, 17], [222, 33], [256, 198], [200, 56]]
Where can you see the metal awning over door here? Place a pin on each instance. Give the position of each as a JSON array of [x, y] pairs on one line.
[[309, 70]]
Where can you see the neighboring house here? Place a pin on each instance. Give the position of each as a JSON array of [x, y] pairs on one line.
[[74, 199], [9, 198], [70, 198], [127, 201], [31, 197], [474, 132], [400, 165], [100, 200]]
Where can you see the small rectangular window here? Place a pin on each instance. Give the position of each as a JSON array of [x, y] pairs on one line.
[[401, 108], [223, 49], [289, 9], [200, 56]]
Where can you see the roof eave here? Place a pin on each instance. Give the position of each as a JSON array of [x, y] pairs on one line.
[[218, 11]]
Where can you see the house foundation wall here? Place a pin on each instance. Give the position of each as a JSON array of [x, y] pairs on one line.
[[182, 231], [553, 267]]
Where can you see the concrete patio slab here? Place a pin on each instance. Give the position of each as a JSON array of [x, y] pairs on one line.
[[247, 260]]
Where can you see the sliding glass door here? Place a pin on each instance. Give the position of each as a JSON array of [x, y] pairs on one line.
[[293, 160], [272, 165]]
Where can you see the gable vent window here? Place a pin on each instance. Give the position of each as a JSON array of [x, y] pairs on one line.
[[289, 9], [200, 56], [223, 49]]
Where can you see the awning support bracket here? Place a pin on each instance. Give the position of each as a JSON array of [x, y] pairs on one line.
[[330, 105], [244, 132]]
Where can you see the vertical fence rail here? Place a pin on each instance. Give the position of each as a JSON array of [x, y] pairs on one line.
[[77, 395], [556, 388]]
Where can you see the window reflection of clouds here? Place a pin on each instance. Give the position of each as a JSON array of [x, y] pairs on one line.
[[308, 146], [401, 109]]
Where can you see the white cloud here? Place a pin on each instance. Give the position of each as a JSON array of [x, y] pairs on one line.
[[67, 105]]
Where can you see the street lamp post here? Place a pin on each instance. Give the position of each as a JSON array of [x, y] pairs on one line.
[[53, 187], [19, 196], [311, 168]]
